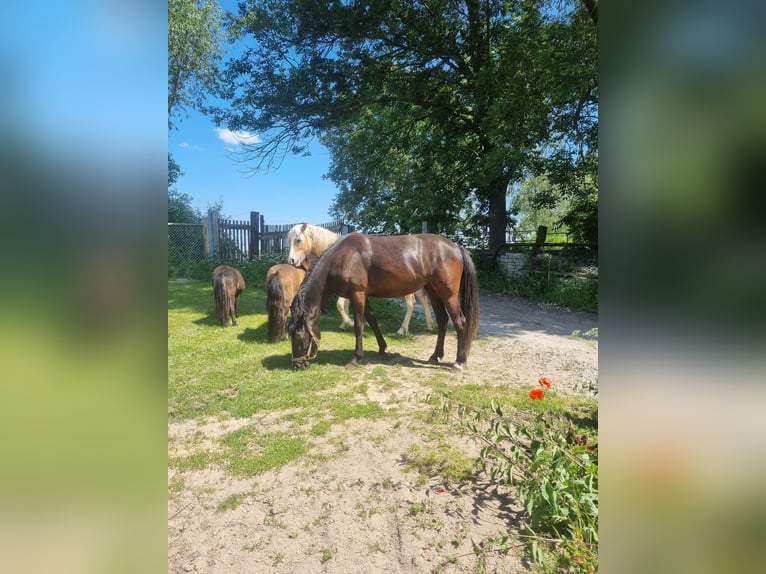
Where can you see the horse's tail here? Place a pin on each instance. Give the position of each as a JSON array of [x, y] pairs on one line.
[[469, 299], [275, 303], [222, 303]]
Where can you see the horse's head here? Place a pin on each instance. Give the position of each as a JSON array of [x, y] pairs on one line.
[[300, 244], [304, 334]]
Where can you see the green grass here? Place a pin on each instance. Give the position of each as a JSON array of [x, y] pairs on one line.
[[231, 502], [233, 372], [442, 459]]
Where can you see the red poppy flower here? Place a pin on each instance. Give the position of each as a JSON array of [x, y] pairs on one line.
[[536, 394], [546, 382]]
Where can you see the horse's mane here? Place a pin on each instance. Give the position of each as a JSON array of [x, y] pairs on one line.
[[321, 238], [324, 238]]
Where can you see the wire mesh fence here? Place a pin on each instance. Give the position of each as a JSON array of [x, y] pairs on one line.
[[186, 247]]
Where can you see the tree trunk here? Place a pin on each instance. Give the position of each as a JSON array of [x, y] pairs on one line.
[[498, 215]]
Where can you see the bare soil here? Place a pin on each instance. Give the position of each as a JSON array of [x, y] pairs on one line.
[[360, 508]]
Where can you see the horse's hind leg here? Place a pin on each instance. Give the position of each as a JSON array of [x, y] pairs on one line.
[[410, 301], [441, 321], [422, 296], [373, 321], [342, 306], [233, 308]]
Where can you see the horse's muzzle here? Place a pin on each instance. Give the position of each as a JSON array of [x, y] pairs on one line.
[[300, 365], [303, 362]]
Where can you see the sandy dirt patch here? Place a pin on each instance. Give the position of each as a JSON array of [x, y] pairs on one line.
[[357, 506]]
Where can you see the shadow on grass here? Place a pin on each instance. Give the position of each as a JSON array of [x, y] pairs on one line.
[[210, 319], [340, 358], [258, 335]]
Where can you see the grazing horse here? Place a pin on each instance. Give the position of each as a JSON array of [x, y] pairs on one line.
[[282, 283], [305, 239], [360, 266], [228, 283]]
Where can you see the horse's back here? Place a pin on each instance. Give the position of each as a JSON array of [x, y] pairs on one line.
[[289, 277], [230, 276], [395, 265]]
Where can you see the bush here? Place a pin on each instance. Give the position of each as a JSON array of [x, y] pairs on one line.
[[551, 459], [570, 292]]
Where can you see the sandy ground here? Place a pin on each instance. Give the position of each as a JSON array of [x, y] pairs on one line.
[[361, 509]]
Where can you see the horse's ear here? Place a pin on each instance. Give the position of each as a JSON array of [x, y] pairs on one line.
[[303, 227]]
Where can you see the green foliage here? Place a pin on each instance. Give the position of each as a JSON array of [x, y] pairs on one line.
[[572, 293], [180, 209], [429, 110], [174, 170], [551, 460], [195, 49]]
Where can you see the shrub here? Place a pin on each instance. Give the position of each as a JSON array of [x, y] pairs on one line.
[[553, 466]]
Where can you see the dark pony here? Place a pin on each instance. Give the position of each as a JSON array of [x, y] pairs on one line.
[[282, 283], [360, 266], [228, 283]]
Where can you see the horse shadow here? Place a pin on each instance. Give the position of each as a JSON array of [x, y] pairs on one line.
[[209, 319], [258, 335], [340, 358]]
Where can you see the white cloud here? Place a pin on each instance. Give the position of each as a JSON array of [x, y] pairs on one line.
[[238, 137], [187, 145]]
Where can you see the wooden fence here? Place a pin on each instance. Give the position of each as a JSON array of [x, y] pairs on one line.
[[240, 241]]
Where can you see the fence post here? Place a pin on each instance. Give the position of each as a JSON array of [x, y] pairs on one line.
[[542, 233], [210, 233], [262, 245], [255, 234], [423, 227]]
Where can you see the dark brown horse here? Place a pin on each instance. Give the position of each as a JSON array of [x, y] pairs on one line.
[[360, 266], [228, 283]]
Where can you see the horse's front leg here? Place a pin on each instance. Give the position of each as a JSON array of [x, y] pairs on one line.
[[358, 305], [373, 321]]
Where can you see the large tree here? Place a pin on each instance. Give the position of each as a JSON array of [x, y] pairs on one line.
[[196, 38], [429, 108]]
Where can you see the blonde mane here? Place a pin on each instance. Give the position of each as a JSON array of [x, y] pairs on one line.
[[314, 239]]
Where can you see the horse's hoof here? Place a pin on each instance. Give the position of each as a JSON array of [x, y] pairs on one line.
[[458, 367], [352, 365], [433, 360], [400, 332]]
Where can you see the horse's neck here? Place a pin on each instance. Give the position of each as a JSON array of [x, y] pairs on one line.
[[324, 239], [315, 293]]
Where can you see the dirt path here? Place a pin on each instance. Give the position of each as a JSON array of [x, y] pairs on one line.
[[356, 506]]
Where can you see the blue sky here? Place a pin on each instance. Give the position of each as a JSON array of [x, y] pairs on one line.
[[294, 193]]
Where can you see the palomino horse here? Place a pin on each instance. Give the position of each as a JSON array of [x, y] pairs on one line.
[[304, 239], [282, 283], [359, 266], [228, 283]]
